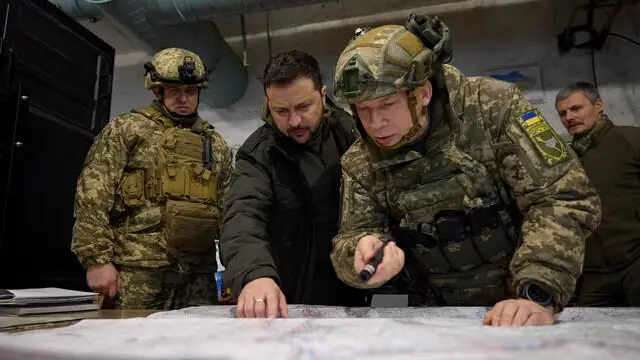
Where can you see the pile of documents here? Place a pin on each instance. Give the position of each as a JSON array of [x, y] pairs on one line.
[[47, 300]]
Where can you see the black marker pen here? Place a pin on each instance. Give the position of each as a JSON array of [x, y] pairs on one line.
[[371, 267]]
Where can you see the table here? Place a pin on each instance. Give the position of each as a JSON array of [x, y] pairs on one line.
[[320, 333]]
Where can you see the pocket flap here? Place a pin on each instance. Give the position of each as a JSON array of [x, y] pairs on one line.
[[144, 219]]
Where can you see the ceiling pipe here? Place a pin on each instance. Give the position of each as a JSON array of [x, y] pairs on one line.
[[228, 77], [378, 19], [171, 12], [179, 23]]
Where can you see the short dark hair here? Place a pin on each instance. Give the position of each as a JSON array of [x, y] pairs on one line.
[[589, 90], [286, 67]]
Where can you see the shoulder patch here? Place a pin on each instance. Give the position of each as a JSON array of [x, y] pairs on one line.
[[545, 140]]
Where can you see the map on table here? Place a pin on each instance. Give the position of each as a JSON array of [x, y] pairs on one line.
[[320, 333], [470, 312]]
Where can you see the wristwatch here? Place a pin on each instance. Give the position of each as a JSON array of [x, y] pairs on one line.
[[533, 292]]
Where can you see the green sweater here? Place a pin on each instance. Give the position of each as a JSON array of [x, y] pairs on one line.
[[611, 156]]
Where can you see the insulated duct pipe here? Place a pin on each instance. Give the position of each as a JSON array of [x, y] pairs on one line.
[[79, 9], [178, 11], [396, 16], [176, 23], [228, 78], [165, 11]]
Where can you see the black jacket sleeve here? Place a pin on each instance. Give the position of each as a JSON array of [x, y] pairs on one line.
[[244, 245]]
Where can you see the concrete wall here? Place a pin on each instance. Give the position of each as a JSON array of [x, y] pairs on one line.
[[482, 39]]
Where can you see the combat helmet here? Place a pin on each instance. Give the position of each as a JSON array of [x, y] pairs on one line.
[[175, 66], [381, 61]]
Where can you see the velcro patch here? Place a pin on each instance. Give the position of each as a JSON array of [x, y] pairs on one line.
[[546, 141]]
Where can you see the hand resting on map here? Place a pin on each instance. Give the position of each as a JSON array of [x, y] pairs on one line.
[[261, 298], [518, 312]]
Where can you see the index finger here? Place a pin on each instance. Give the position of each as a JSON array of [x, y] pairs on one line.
[[361, 257], [370, 244], [386, 269]]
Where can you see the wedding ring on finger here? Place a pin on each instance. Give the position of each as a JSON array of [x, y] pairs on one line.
[[258, 299]]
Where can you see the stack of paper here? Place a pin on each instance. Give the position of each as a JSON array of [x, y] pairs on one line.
[[48, 300], [9, 323]]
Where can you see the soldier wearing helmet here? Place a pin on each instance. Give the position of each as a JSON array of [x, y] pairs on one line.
[[176, 77], [150, 194], [476, 200]]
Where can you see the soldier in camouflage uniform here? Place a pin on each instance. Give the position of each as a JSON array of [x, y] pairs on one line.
[[149, 196], [459, 176]]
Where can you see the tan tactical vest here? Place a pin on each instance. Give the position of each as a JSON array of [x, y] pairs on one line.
[[181, 183]]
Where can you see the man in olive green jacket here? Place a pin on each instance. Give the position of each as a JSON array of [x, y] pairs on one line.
[[611, 156]]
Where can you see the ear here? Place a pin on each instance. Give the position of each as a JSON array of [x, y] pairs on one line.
[[157, 92], [427, 93], [323, 93], [599, 106]]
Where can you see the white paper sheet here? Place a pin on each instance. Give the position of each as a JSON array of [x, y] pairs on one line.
[[47, 295]]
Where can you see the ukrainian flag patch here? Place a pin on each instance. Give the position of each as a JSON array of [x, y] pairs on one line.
[[545, 140], [530, 118]]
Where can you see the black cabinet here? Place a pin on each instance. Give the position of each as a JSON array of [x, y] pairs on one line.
[[55, 96]]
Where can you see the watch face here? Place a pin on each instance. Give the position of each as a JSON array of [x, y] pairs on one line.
[[536, 294]]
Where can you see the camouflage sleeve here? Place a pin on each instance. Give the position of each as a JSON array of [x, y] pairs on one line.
[[360, 215], [93, 239], [560, 208], [225, 167]]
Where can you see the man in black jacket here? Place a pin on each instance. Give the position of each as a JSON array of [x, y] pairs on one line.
[[282, 209]]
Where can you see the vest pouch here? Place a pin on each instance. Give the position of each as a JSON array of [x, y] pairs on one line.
[[188, 182], [423, 248], [456, 241], [132, 188], [182, 174], [202, 183], [494, 245], [490, 236], [433, 259], [191, 227]]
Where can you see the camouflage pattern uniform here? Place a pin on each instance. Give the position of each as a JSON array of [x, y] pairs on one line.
[[148, 200], [488, 198]]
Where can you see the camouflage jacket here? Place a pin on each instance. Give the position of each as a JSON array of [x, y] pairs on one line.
[[105, 229], [501, 142]]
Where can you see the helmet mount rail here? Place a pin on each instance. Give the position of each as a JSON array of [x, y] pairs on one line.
[[186, 74], [433, 33]]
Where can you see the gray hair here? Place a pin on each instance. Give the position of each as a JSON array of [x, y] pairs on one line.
[[590, 91]]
